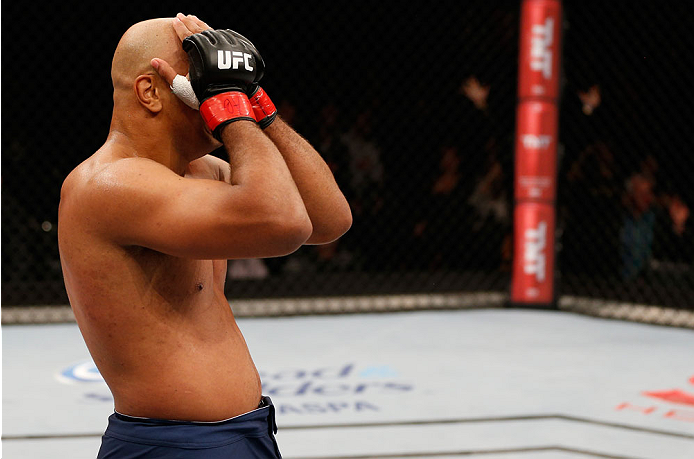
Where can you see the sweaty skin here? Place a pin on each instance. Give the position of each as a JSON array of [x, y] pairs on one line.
[[146, 225]]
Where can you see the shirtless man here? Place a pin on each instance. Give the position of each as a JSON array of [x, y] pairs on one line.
[[146, 225]]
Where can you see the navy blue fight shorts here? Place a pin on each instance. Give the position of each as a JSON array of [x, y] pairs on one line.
[[250, 435]]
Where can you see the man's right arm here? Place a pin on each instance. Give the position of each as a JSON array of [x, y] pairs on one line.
[[138, 202]]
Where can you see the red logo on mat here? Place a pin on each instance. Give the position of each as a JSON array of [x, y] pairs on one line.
[[676, 396], [673, 396]]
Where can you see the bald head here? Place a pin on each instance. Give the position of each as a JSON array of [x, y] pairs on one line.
[[143, 102], [140, 44]]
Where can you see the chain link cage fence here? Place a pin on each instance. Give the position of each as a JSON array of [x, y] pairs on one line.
[[413, 107], [625, 190]]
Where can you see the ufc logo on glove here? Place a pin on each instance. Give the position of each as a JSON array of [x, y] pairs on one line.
[[226, 61]]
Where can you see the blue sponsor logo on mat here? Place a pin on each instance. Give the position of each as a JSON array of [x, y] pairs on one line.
[[82, 372], [331, 389]]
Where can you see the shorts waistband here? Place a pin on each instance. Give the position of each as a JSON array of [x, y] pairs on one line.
[[193, 434]]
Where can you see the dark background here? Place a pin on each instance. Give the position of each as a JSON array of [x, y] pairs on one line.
[[396, 72]]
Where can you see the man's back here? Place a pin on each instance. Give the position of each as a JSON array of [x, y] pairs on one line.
[[158, 326]]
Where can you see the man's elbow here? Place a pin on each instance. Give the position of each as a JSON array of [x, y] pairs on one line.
[[301, 230], [294, 229], [331, 228], [341, 223]]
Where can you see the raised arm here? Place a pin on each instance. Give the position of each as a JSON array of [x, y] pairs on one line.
[[327, 207], [260, 213], [142, 203]]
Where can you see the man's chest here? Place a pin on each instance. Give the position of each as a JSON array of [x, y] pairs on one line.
[[175, 277]]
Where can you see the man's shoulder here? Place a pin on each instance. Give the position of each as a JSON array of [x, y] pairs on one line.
[[97, 184], [97, 174], [76, 180], [211, 167]]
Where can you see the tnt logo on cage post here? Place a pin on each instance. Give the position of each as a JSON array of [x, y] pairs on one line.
[[542, 36], [536, 147], [536, 142], [535, 241], [533, 253], [539, 49]]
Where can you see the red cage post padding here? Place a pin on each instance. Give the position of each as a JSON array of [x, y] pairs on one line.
[[539, 49], [533, 258], [536, 151]]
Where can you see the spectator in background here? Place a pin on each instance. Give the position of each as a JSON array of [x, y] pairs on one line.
[[586, 121], [472, 108], [679, 214], [656, 226], [366, 185], [332, 147], [679, 230], [594, 172], [591, 99], [650, 168], [489, 198], [476, 92], [463, 200], [365, 167], [491, 226], [590, 211], [638, 226], [337, 255], [674, 235], [440, 234]]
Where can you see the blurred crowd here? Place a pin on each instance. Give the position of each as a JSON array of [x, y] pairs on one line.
[[418, 128], [430, 198], [624, 215]]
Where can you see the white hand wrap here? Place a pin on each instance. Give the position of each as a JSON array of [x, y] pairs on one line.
[[182, 88]]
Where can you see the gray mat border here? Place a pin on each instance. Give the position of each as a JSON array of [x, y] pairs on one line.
[[362, 304], [532, 417]]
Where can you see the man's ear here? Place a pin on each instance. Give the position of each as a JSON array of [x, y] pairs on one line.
[[148, 93]]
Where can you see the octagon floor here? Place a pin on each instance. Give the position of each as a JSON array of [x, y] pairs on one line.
[[488, 384]]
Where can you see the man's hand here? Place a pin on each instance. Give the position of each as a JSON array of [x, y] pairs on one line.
[[591, 99], [185, 26], [679, 213], [475, 91], [263, 108], [222, 61], [223, 66]]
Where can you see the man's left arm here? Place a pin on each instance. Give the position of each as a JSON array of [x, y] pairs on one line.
[[327, 207], [325, 204]]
